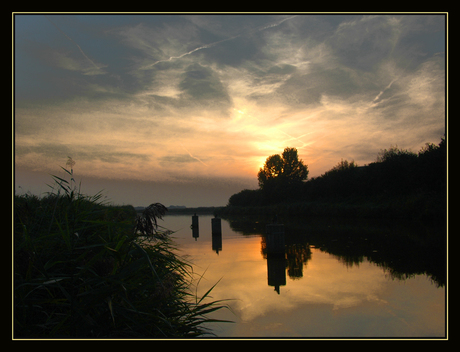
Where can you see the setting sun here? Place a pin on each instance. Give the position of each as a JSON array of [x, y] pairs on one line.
[[177, 172], [203, 100]]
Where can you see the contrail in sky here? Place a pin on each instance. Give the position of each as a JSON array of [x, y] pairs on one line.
[[194, 157], [191, 51], [387, 87], [215, 43], [78, 46], [296, 138], [277, 24]]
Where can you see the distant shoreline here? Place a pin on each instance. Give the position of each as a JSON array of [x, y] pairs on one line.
[[185, 211]]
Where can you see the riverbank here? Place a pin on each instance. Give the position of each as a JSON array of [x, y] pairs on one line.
[[83, 269], [424, 206], [186, 211], [400, 184], [197, 210]]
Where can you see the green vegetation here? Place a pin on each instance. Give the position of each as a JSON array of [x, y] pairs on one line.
[[84, 269], [399, 183]]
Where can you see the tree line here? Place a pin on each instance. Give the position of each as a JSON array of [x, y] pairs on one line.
[[395, 173]]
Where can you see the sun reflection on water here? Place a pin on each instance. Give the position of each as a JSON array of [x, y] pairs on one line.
[[315, 284]]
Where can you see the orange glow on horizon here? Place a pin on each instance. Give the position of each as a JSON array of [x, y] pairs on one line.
[[180, 108]]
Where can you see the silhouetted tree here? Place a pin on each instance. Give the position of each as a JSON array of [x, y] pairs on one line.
[[397, 173], [246, 197], [433, 166], [272, 170], [281, 177], [286, 169], [342, 166]]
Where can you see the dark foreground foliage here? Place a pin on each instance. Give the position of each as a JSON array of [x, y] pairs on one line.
[[83, 269]]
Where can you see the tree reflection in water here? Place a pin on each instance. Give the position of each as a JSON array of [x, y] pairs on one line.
[[403, 250]]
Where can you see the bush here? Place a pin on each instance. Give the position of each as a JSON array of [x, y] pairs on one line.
[[246, 197]]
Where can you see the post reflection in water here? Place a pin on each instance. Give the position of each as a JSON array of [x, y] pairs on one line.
[[331, 278], [279, 256], [276, 270], [217, 243], [276, 256]]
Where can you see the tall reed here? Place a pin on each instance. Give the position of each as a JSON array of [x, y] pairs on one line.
[[84, 269]]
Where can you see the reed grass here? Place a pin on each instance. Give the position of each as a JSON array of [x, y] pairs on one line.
[[85, 269]]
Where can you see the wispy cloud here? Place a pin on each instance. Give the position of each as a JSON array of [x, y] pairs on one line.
[[78, 46], [213, 96], [207, 46]]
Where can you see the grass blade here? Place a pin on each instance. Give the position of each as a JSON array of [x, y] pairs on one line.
[[208, 292]]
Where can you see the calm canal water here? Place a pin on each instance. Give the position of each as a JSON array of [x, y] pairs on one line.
[[335, 279]]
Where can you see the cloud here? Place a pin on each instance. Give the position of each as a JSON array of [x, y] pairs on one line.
[[226, 54], [200, 84], [94, 153], [364, 43], [160, 42], [213, 96], [179, 158], [98, 69]]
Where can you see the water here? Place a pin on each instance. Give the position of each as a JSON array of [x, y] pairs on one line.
[[336, 278]]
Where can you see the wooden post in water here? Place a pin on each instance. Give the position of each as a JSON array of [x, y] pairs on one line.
[[216, 226], [216, 230], [194, 227]]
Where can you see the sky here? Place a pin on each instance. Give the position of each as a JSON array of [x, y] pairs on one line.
[[184, 109]]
